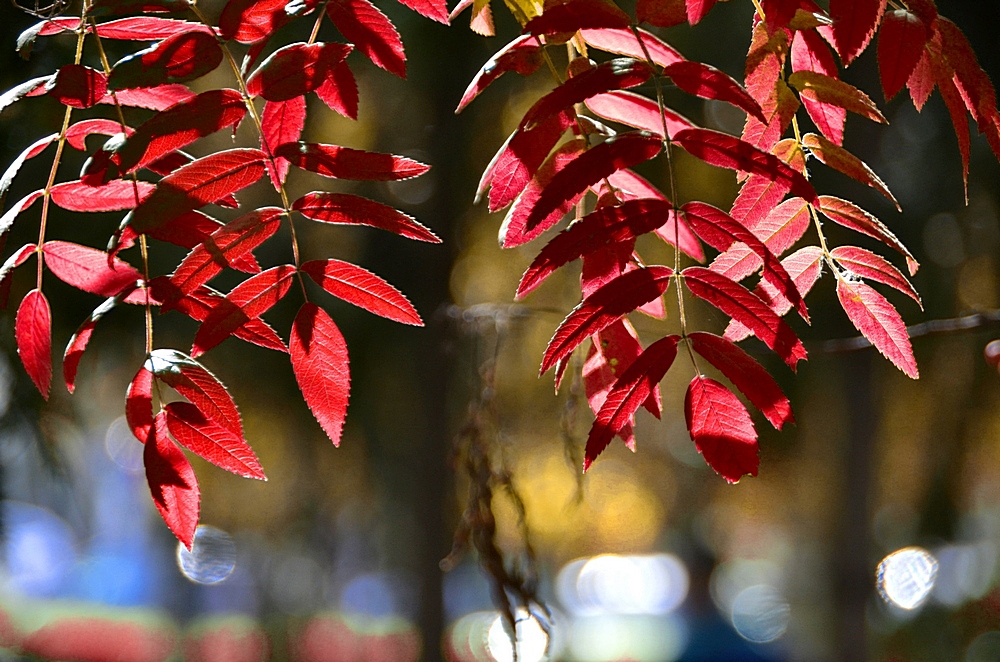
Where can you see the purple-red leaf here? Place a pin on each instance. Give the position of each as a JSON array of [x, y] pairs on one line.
[[624, 42], [436, 10], [721, 429], [630, 391], [696, 9], [743, 305], [708, 82], [901, 42], [638, 111], [720, 149], [522, 55], [878, 321], [250, 21], [854, 24], [199, 183], [248, 300], [116, 195], [602, 308], [848, 214], [346, 163], [340, 91], [172, 483], [139, 404], [597, 230], [349, 209], [746, 374], [371, 32], [89, 269], [282, 122], [210, 441], [177, 59], [779, 231], [295, 69], [362, 288], [760, 194], [77, 86], [321, 367], [160, 97], [590, 167], [33, 333]]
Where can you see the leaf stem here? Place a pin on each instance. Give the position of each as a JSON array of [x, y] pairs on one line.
[[320, 11], [827, 257], [47, 193]]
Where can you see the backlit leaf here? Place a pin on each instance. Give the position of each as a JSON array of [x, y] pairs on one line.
[[520, 158], [248, 300], [371, 32], [296, 69], [29, 152], [637, 111], [746, 374], [79, 341], [779, 231], [851, 216], [193, 381], [89, 269], [362, 288], [340, 91], [901, 42], [739, 303], [696, 10], [114, 196], [721, 429], [172, 483], [33, 333], [708, 82], [177, 59], [874, 267], [77, 86], [573, 15], [346, 163], [830, 91], [210, 441], [634, 386], [843, 161], [602, 308], [197, 184], [522, 55], [436, 10], [854, 24], [250, 21], [354, 210], [139, 404], [624, 42], [878, 321], [281, 122], [321, 367]]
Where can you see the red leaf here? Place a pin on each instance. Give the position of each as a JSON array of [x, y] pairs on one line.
[[597, 230], [199, 183], [810, 53], [77, 86], [721, 429], [177, 59], [624, 42], [720, 149], [696, 10], [520, 158], [371, 32], [282, 122], [851, 216], [879, 322], [139, 28], [739, 303], [248, 300], [764, 82], [840, 159], [30, 152], [612, 351], [139, 404], [172, 483], [602, 308], [436, 10], [348, 209], [16, 259], [295, 69], [157, 98], [829, 91], [118, 7], [226, 244], [573, 15], [33, 333], [779, 13], [874, 267], [321, 367], [362, 288], [633, 388], [79, 341], [900, 44], [955, 103], [590, 167], [513, 230], [77, 133], [854, 24], [340, 91], [114, 196], [638, 111], [250, 21], [214, 443], [617, 74], [804, 266], [759, 194], [747, 375], [720, 231], [779, 231], [661, 13], [198, 304], [921, 81], [89, 269], [522, 55], [708, 82], [193, 381], [346, 163], [32, 87], [8, 217], [177, 127]]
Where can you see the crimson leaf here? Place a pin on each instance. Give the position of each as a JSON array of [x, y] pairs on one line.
[[362, 288], [321, 367], [721, 429]]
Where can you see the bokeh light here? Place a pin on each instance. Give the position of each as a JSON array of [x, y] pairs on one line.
[[532, 640], [212, 557], [613, 584], [906, 577], [760, 614]]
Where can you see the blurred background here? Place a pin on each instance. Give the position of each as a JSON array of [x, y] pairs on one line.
[[871, 533]]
